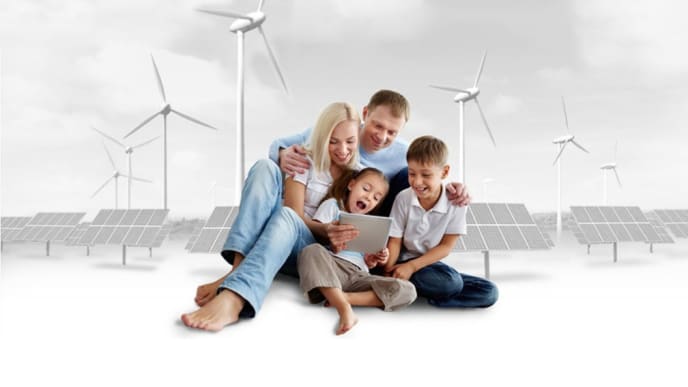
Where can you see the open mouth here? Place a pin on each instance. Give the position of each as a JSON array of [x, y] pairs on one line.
[[361, 205]]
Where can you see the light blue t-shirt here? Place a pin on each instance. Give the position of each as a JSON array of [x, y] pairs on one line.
[[389, 160]]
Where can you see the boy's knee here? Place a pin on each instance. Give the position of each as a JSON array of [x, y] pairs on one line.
[[491, 295]]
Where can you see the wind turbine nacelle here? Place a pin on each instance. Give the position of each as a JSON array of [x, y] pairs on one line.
[[563, 139], [608, 166], [243, 25], [166, 109], [463, 97]]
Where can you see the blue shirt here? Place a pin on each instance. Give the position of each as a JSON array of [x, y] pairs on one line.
[[389, 160]]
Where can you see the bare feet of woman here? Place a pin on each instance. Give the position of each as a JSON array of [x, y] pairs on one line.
[[347, 320], [207, 292], [220, 311]]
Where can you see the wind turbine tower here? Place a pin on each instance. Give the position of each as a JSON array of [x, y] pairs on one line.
[[243, 24], [562, 142], [607, 167], [128, 150], [115, 176], [164, 111], [463, 96]]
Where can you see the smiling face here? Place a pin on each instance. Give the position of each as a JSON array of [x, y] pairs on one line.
[[380, 128], [343, 142], [366, 192], [426, 180]]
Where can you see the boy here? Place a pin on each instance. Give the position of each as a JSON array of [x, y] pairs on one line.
[[425, 228]]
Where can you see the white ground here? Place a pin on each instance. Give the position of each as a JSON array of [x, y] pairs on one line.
[[563, 318]]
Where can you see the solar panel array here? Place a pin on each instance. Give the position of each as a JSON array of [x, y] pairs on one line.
[[659, 227], [214, 233], [134, 227], [162, 235], [12, 226], [500, 226], [50, 226], [675, 220], [77, 233], [194, 235], [608, 224]]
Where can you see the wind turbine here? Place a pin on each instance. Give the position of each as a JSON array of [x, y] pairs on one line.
[[166, 109], [245, 23], [562, 142], [115, 176], [605, 168], [128, 150], [462, 97]]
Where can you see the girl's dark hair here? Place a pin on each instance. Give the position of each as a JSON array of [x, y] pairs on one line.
[[339, 189]]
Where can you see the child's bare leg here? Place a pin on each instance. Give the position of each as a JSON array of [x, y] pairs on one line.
[[366, 298], [207, 292], [347, 317], [222, 310]]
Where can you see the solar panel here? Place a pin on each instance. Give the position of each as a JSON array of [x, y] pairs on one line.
[[194, 235], [611, 224], [133, 227], [500, 226], [674, 220], [50, 226], [76, 234], [12, 226], [214, 232], [162, 235]]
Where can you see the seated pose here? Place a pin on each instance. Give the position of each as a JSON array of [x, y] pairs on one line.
[[425, 228], [342, 277], [267, 235]]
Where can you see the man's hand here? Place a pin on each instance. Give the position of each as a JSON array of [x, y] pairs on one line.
[[292, 160], [403, 271], [458, 195], [380, 258], [339, 234]]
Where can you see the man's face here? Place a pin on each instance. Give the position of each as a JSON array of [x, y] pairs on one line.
[[380, 128]]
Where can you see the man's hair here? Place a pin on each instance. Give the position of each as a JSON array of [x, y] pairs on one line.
[[330, 117], [397, 103], [428, 150]]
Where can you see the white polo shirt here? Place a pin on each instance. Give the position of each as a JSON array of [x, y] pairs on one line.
[[423, 230]]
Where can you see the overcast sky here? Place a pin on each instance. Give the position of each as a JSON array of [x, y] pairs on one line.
[[70, 65]]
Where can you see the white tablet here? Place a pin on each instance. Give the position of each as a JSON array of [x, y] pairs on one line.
[[373, 232]]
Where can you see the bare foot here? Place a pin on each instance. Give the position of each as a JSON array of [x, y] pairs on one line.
[[220, 311], [347, 320], [207, 292]]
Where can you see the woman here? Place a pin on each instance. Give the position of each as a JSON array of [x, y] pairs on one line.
[[268, 234]]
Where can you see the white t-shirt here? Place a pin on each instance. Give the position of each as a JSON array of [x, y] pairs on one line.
[[328, 212], [423, 230], [317, 184]]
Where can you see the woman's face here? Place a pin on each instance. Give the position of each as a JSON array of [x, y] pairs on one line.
[[343, 142]]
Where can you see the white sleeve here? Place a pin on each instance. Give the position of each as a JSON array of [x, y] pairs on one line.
[[457, 222], [327, 212], [301, 177], [399, 215]]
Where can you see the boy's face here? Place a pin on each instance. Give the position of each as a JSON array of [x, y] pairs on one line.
[[426, 179], [380, 128]]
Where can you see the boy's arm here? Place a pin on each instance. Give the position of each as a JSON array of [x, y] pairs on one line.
[[405, 270], [394, 247]]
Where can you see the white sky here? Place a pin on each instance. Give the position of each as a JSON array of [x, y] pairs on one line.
[[67, 66]]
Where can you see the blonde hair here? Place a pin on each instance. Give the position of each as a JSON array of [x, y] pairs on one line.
[[428, 150], [397, 103], [330, 117]]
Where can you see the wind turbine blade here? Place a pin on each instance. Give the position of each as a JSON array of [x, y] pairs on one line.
[[617, 177], [145, 143], [141, 124], [136, 178], [579, 146], [560, 152], [566, 117], [273, 58], [225, 14], [480, 70], [454, 89], [485, 122], [193, 119], [102, 186], [108, 137], [112, 162], [157, 75], [260, 5]]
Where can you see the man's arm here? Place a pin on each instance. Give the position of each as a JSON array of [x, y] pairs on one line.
[[288, 153], [458, 195], [405, 270]]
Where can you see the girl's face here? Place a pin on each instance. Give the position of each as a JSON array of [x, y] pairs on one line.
[[366, 192], [343, 142]]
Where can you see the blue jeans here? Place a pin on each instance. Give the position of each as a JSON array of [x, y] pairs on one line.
[[445, 287], [267, 234]]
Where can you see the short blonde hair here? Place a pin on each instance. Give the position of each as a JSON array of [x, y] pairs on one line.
[[330, 117], [428, 150]]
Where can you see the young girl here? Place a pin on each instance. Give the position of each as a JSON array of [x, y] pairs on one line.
[[341, 276]]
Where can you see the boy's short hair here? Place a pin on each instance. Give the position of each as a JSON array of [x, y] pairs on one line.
[[396, 102], [428, 150]]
